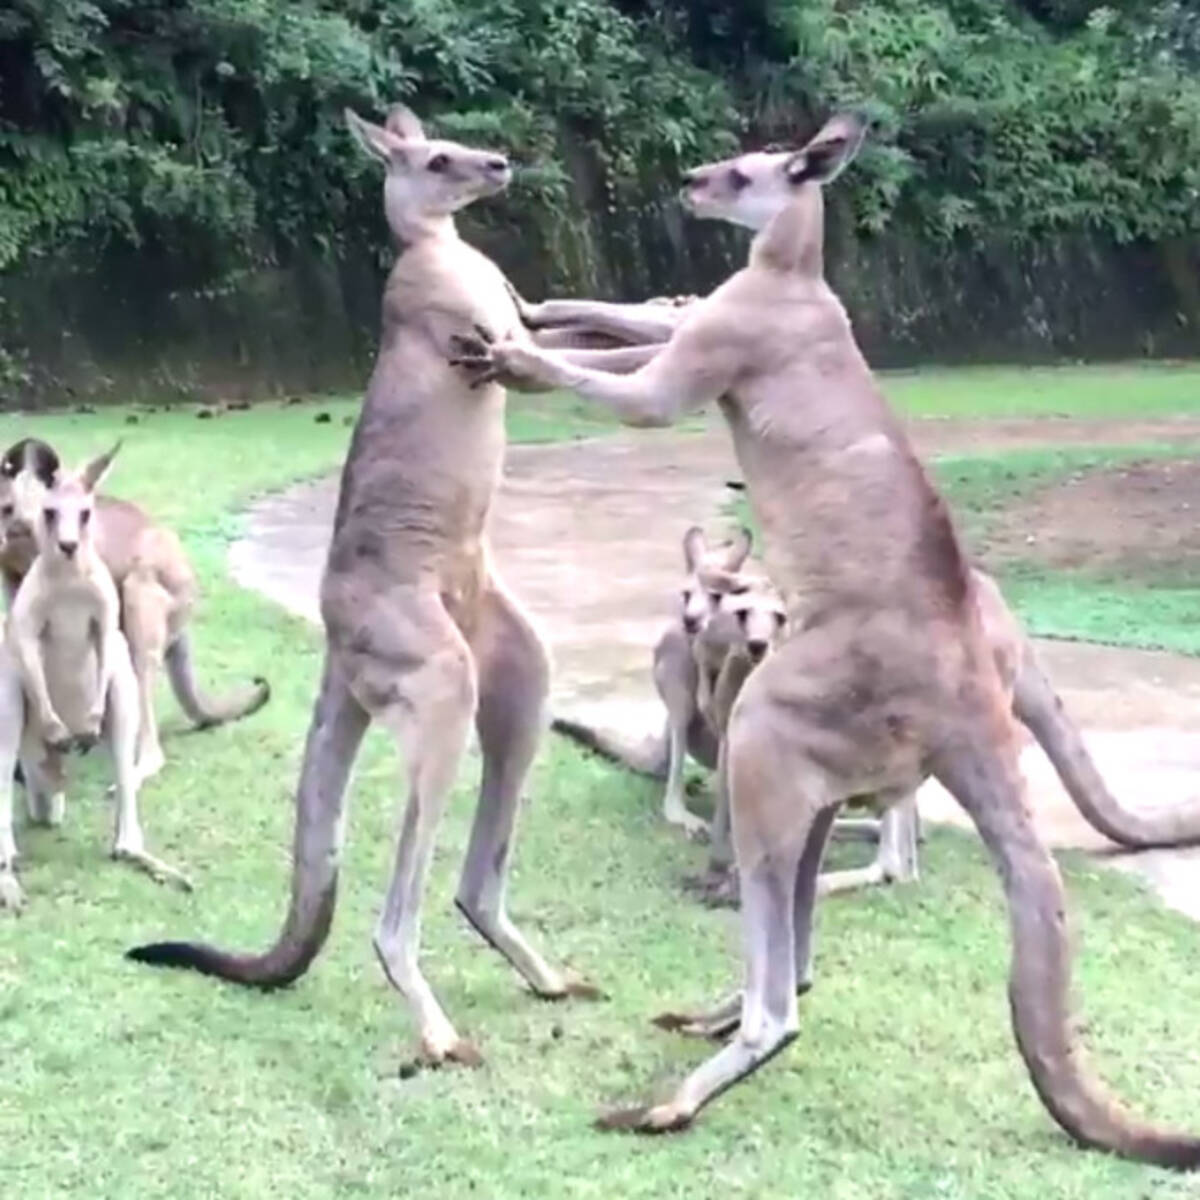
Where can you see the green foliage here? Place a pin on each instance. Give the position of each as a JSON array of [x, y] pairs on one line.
[[988, 121], [213, 129]]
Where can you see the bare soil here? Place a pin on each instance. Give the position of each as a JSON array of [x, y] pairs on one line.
[[1131, 520]]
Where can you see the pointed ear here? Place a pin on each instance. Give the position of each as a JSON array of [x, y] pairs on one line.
[[94, 471], [694, 546], [833, 149], [404, 123], [378, 142], [739, 549]]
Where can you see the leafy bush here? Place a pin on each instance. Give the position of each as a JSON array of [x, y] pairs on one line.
[[211, 131]]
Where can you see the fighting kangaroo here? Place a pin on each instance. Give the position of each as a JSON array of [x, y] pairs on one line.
[[157, 591], [421, 635], [886, 676]]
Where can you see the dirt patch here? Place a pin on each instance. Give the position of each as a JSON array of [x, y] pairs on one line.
[[1134, 520], [953, 435]]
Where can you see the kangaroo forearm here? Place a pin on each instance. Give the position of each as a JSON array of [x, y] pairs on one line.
[[621, 360], [33, 676], [633, 397], [634, 324]]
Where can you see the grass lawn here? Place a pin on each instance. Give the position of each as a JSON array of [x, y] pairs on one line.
[[1122, 390], [119, 1081], [1155, 608]]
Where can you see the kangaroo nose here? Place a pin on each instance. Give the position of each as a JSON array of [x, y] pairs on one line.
[[68, 548], [757, 650], [690, 624], [498, 164]]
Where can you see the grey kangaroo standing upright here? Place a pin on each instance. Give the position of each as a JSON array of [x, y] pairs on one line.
[[421, 635], [886, 676]]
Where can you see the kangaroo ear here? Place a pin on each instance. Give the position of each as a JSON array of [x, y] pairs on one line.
[[739, 549], [832, 150], [404, 123], [94, 471], [377, 141], [694, 546]]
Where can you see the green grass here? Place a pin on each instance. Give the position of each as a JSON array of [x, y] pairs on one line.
[[119, 1081], [1127, 390], [1159, 609]]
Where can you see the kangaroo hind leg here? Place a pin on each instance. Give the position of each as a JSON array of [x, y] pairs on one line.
[[514, 679], [145, 605], [418, 682], [781, 809], [122, 713]]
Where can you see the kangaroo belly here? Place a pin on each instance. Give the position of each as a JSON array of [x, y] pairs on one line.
[[71, 666]]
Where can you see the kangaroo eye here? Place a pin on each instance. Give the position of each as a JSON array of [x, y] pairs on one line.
[[438, 163], [715, 597], [780, 618], [742, 614], [737, 180], [85, 516], [51, 515], [6, 511]]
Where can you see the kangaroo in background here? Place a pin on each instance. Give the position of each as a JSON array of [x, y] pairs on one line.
[[75, 671], [727, 621], [885, 677], [155, 581], [709, 571], [421, 634], [752, 620]]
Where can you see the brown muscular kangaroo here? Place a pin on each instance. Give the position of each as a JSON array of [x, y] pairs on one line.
[[886, 676], [421, 634]]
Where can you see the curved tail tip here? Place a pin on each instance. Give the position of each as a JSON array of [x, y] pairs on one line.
[[163, 954]]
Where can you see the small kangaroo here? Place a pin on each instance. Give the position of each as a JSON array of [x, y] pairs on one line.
[[749, 622], [155, 582], [709, 571], [74, 667], [727, 621], [885, 677]]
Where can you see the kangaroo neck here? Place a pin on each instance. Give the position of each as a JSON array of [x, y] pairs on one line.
[[413, 229]]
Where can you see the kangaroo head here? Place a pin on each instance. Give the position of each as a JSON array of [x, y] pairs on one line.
[[752, 189], [426, 180], [27, 470], [710, 571], [64, 526], [757, 608]]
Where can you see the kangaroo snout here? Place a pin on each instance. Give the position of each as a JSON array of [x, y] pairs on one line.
[[68, 548]]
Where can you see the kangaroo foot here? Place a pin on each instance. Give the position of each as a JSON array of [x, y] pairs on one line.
[[12, 899], [158, 870]]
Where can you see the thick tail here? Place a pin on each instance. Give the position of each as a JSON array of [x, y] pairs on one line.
[[1038, 707], [647, 758], [202, 710], [334, 736], [987, 781]]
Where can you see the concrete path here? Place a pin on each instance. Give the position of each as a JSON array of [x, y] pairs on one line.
[[587, 534]]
